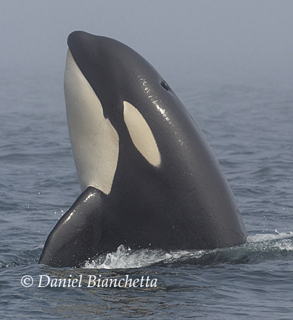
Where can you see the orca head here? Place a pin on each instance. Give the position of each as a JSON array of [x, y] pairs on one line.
[[147, 174], [133, 140], [112, 94]]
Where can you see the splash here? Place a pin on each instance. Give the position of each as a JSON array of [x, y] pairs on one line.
[[269, 237], [259, 247], [278, 242], [125, 258]]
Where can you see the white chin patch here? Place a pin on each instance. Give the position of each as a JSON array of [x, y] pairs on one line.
[[141, 134], [95, 142]]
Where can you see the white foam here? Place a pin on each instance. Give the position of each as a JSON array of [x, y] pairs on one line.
[[125, 258], [281, 241], [269, 237]]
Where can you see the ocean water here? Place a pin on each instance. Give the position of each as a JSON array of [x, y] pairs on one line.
[[249, 127]]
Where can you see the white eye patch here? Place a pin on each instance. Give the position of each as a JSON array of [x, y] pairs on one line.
[[141, 134]]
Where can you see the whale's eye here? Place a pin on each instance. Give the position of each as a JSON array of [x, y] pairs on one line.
[[165, 85]]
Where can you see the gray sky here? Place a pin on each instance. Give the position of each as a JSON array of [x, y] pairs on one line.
[[204, 38]]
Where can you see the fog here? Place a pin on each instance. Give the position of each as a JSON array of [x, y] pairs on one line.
[[193, 39]]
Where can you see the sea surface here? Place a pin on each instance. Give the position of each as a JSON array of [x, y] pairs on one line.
[[249, 126]]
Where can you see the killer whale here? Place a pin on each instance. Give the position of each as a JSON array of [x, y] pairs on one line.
[[147, 175]]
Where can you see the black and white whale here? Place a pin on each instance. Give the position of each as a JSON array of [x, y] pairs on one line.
[[147, 175]]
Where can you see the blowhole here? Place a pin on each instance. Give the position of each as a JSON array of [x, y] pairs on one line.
[[165, 85]]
